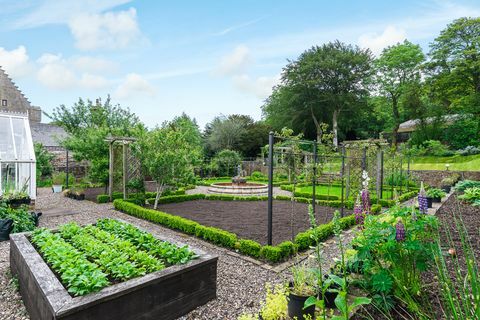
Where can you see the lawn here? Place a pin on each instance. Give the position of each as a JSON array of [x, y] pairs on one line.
[[457, 163], [336, 190]]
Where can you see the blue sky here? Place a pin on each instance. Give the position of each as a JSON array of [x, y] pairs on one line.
[[205, 58]]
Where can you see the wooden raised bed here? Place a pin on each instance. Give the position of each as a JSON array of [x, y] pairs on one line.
[[165, 294]]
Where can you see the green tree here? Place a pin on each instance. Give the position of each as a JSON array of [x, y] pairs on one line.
[[454, 68], [44, 161], [88, 124], [168, 156], [398, 68], [324, 82], [226, 162], [224, 133]]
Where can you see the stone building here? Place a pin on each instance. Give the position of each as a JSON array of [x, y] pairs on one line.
[[49, 135]]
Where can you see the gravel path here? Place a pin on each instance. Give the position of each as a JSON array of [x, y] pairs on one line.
[[240, 283]]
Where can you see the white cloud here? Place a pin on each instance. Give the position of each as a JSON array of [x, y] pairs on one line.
[[92, 64], [261, 87], [134, 84], [110, 30], [235, 62], [377, 42], [92, 81], [54, 72], [60, 12], [15, 62]]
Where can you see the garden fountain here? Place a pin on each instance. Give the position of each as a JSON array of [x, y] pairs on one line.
[[239, 186]]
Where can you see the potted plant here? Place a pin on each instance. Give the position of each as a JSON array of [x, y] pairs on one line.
[[300, 289], [16, 198], [435, 194], [447, 184], [275, 305], [58, 179]]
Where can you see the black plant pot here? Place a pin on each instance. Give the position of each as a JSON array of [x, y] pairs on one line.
[[446, 189], [429, 202], [295, 307], [330, 299], [15, 203], [437, 200]]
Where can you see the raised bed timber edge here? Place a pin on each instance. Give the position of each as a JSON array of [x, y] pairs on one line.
[[165, 294]]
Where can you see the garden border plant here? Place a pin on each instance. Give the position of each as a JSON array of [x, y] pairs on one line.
[[272, 254]]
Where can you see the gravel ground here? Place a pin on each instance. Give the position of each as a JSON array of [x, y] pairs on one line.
[[240, 283]]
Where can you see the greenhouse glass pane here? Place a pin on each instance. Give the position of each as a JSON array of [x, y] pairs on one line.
[[24, 177], [21, 139], [8, 177], [6, 140]]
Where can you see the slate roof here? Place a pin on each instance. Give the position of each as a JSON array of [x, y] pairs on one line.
[[47, 134]]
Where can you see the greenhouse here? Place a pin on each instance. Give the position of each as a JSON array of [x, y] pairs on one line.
[[17, 156]]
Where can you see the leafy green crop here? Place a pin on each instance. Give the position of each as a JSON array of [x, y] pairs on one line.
[[117, 258], [169, 252], [78, 274], [22, 219]]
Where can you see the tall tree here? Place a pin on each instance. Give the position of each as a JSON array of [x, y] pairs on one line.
[[455, 67], [88, 124], [168, 156], [398, 67], [327, 80], [225, 132]]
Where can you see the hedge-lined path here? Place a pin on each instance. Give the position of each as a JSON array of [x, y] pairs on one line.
[[204, 190], [240, 284]]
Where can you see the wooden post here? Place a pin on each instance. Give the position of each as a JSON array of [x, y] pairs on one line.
[[124, 170], [110, 172]]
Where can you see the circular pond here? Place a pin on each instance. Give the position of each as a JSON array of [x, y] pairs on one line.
[[245, 188]]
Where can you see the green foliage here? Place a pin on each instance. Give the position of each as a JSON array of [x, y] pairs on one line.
[[465, 184], [23, 220], [44, 161], [276, 303], [250, 248], [323, 83], [471, 195], [88, 124], [271, 253], [435, 193], [168, 155], [225, 162], [78, 274], [392, 266], [462, 133], [258, 176], [165, 251]]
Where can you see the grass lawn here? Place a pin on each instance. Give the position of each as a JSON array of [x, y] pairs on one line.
[[335, 190], [457, 163]]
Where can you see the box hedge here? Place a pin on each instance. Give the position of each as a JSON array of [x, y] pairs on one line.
[[250, 247]]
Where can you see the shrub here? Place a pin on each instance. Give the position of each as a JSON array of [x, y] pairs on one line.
[[226, 161], [258, 176], [271, 253], [469, 150], [103, 198], [465, 184], [376, 208], [471, 195], [250, 247], [287, 248], [317, 197]]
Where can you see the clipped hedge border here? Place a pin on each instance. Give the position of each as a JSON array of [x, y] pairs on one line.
[[230, 240], [137, 197]]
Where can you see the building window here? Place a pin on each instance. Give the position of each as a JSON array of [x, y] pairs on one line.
[[4, 103]]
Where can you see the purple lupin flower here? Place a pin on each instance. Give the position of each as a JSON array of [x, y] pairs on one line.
[[422, 200], [366, 201], [357, 210], [399, 231]]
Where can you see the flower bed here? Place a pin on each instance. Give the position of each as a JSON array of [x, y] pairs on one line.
[[230, 240], [110, 270]]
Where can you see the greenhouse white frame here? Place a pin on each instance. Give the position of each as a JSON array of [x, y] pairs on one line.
[[17, 155]]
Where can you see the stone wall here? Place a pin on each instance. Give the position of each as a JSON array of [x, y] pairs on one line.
[[59, 162], [434, 177]]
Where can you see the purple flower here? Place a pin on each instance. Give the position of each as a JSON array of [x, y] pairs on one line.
[[357, 210], [422, 200], [399, 231], [366, 201]]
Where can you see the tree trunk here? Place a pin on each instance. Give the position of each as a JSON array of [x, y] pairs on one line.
[[318, 127], [335, 128], [396, 120], [157, 196]]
